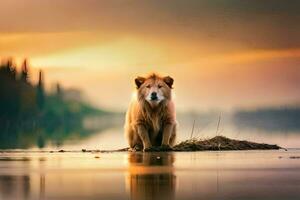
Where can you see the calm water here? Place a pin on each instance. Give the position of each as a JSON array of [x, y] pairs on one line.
[[28, 173], [202, 175], [110, 137], [106, 133]]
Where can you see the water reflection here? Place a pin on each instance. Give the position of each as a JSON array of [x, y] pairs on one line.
[[15, 187], [55, 136], [239, 175], [106, 132], [151, 176]]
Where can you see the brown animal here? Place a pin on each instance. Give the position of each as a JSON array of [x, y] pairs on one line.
[[150, 118]]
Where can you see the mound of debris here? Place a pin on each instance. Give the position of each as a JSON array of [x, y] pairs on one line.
[[221, 143]]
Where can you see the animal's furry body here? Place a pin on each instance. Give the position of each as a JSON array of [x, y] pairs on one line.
[[151, 121]]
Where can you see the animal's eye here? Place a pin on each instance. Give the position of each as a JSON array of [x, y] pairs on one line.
[[148, 86], [159, 86]]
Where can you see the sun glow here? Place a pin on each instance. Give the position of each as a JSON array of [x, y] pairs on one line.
[[115, 55]]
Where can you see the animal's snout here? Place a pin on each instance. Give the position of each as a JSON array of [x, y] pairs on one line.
[[153, 96]]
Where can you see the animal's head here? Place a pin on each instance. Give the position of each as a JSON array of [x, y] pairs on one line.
[[154, 89]]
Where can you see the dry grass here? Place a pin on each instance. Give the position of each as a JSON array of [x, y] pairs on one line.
[[221, 143]]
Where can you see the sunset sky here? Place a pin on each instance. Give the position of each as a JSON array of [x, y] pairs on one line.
[[221, 53]]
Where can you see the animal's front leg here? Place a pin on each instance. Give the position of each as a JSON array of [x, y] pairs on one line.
[[143, 133], [168, 129]]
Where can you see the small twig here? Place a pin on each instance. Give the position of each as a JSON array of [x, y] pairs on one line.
[[218, 125], [217, 132], [193, 129]]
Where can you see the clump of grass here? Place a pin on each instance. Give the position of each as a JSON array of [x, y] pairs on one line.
[[221, 143]]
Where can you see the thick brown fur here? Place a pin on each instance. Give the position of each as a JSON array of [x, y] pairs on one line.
[[151, 124]]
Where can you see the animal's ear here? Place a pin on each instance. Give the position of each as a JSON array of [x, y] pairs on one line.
[[139, 81], [169, 81]]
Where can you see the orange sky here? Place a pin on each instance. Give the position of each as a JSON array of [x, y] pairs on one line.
[[222, 54]]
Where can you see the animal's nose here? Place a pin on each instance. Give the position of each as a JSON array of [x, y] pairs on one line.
[[153, 96]]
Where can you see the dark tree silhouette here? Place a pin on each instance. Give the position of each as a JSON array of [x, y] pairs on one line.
[[9, 91], [40, 92], [58, 91], [24, 73]]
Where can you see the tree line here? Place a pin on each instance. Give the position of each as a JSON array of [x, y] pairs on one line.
[[23, 103], [20, 99]]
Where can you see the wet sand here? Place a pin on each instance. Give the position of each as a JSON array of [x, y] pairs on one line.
[[270, 174]]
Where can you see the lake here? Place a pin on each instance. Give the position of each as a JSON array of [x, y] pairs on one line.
[[195, 175], [106, 133], [29, 171]]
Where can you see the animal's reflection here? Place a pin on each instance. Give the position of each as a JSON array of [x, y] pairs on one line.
[[151, 176]]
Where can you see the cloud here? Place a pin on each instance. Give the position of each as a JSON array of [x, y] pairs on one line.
[[247, 24]]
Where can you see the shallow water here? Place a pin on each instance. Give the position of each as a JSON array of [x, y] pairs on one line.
[[112, 137], [106, 133], [194, 175]]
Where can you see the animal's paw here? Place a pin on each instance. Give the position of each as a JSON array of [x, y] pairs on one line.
[[150, 149], [136, 148], [165, 147], [131, 150]]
